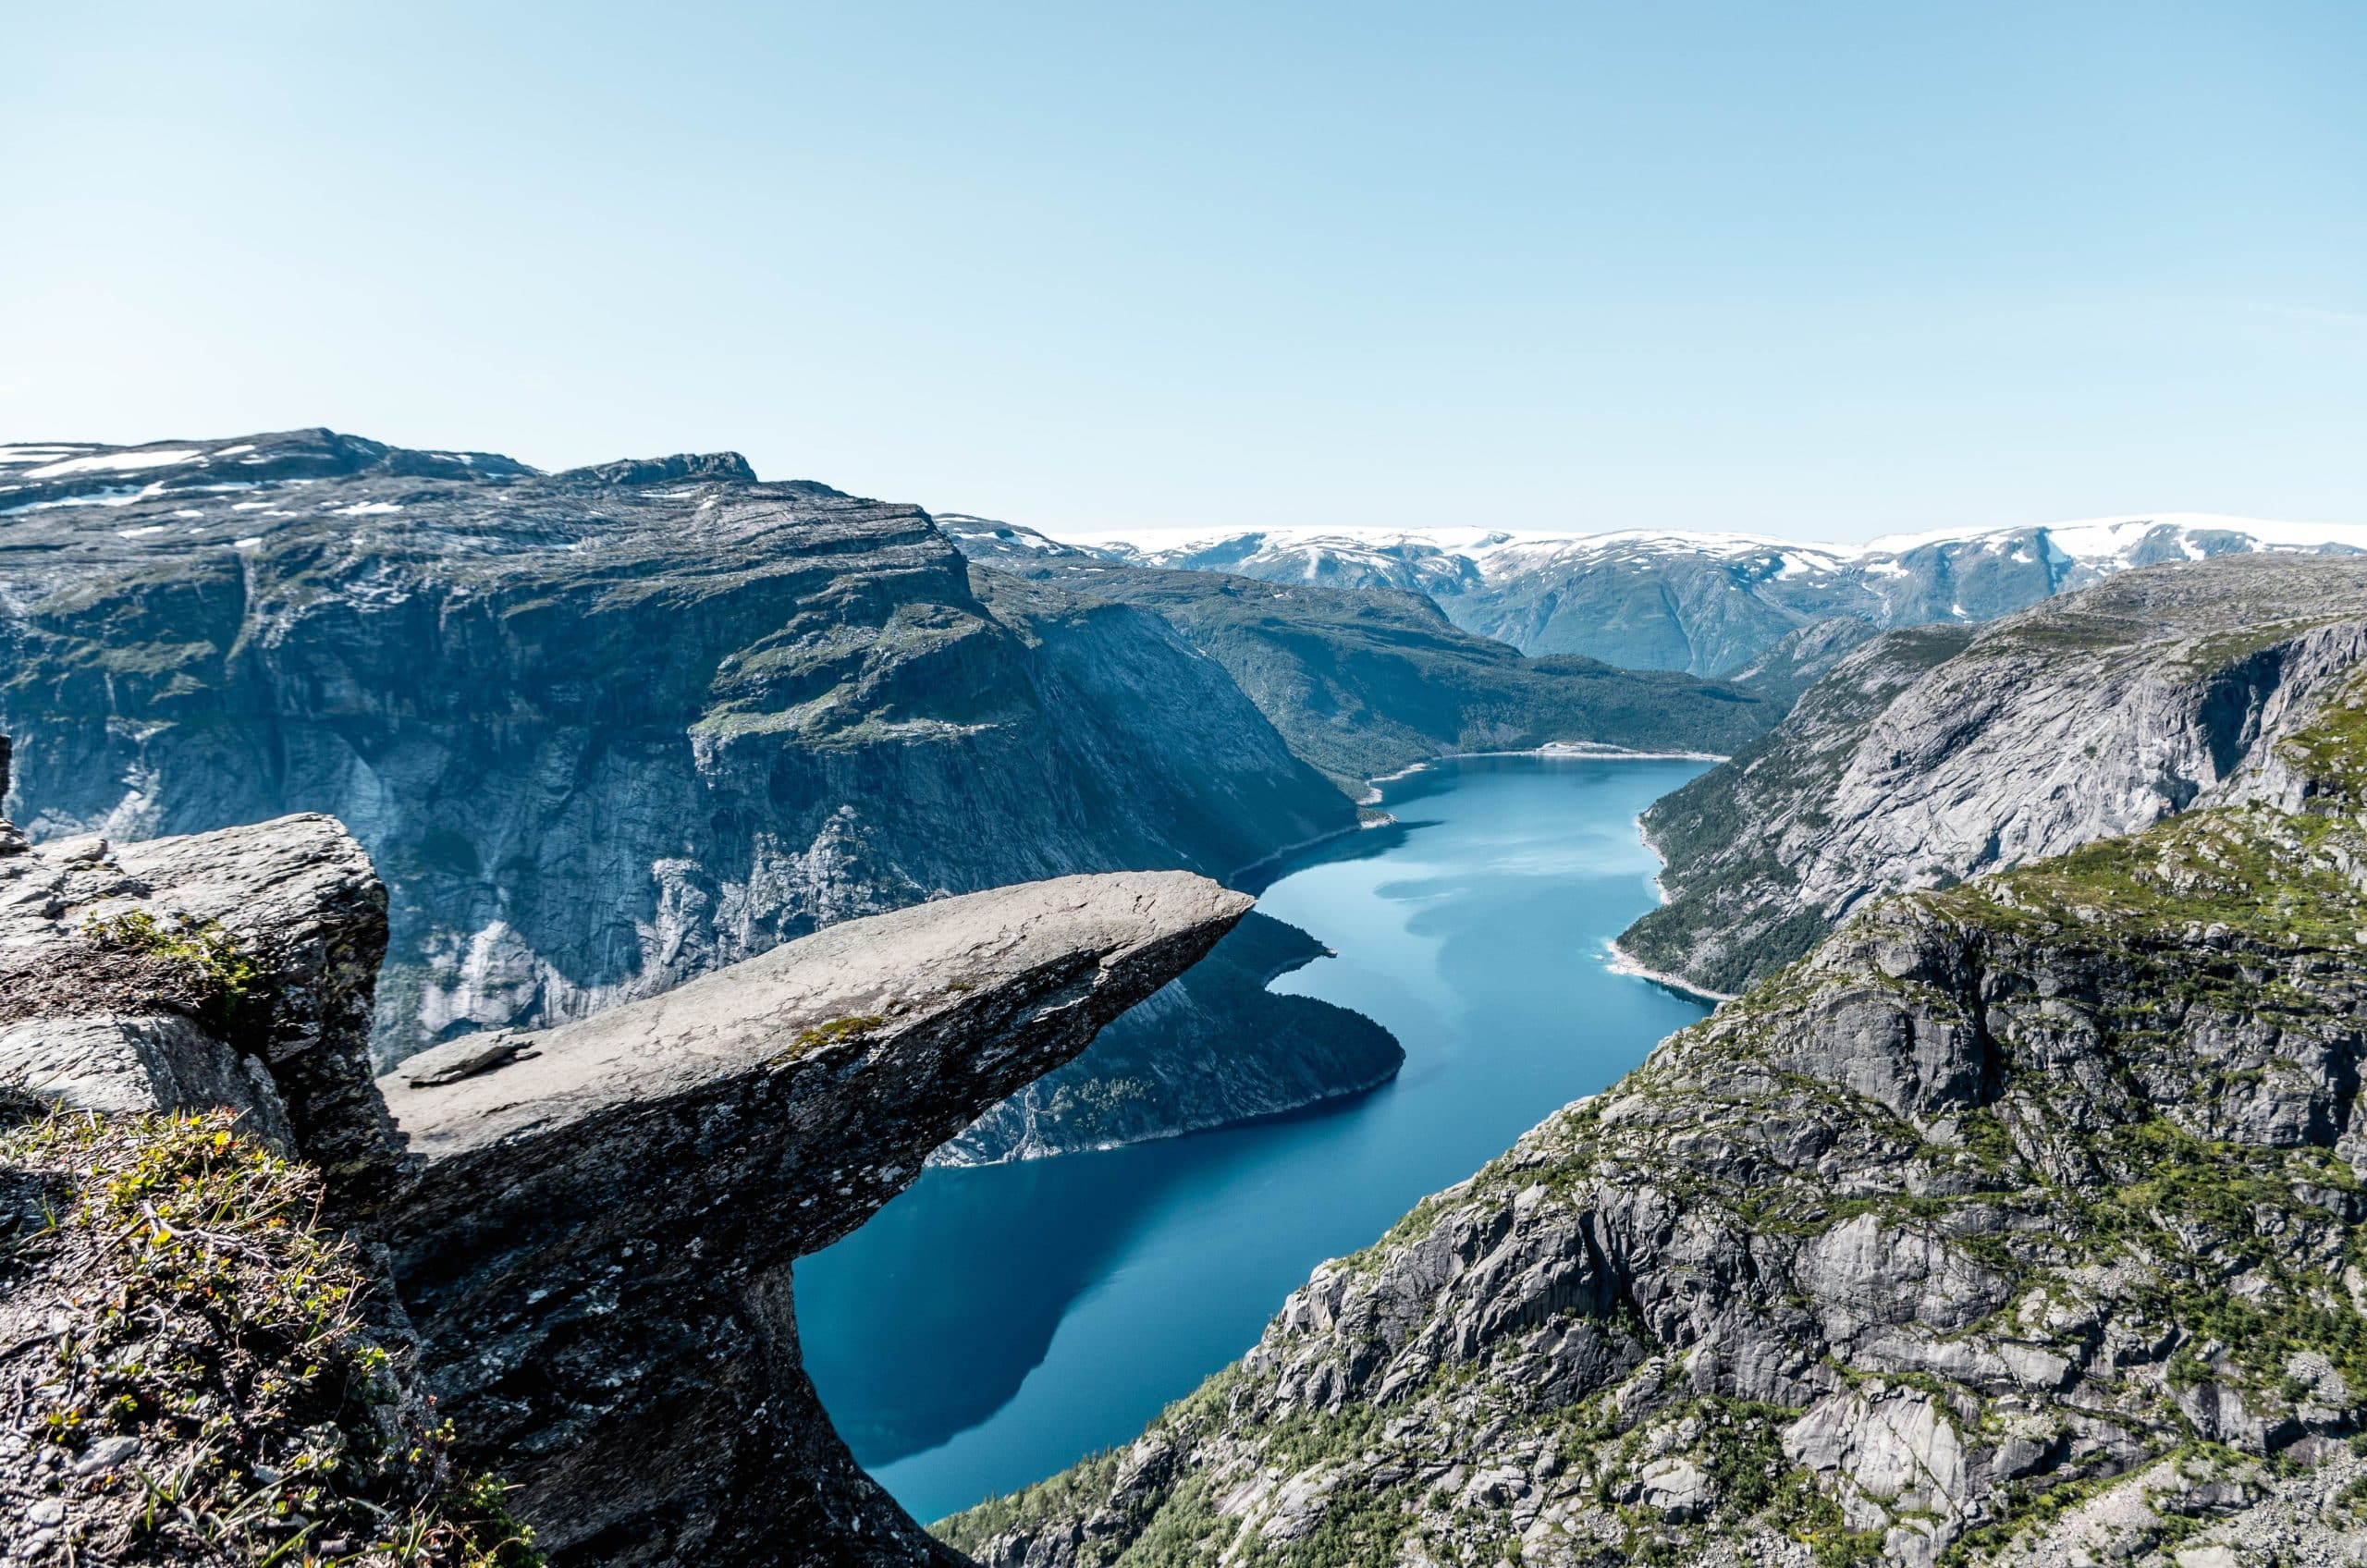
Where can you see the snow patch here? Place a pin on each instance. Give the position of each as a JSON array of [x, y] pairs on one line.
[[88, 498], [116, 462], [2105, 544]]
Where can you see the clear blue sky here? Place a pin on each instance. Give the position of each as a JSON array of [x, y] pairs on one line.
[[1819, 269]]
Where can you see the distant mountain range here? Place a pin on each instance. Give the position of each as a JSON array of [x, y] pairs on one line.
[[1709, 604]]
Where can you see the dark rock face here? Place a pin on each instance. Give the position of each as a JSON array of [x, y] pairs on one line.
[[2021, 1222], [697, 468], [597, 1251], [1174, 1064], [1940, 752], [603, 730]]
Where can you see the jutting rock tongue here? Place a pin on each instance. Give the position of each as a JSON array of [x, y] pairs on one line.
[[597, 1251]]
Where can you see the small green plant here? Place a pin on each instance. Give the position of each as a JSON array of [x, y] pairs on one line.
[[224, 1335], [850, 1028], [223, 982]]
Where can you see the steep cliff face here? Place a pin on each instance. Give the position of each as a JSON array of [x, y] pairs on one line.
[[1364, 682], [2022, 1222], [605, 730], [596, 1253], [1939, 753], [570, 1265]]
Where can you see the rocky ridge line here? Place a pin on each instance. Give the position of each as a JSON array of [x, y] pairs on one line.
[[1940, 752], [1712, 603]]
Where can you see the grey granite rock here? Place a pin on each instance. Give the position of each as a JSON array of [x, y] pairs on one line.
[[1943, 752], [596, 1252], [132, 1022]]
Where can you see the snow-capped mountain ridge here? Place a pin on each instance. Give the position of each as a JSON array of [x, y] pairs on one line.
[[2080, 537]]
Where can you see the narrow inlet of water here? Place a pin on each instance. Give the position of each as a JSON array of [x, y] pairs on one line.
[[992, 1325]]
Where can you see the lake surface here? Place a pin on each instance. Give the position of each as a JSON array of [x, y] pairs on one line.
[[992, 1325]]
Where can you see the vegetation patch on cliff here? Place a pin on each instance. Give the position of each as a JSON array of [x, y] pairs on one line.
[[189, 1368], [139, 960]]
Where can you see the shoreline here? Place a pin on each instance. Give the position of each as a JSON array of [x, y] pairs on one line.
[[1577, 751], [1660, 888], [1622, 961], [1618, 959], [1244, 872]]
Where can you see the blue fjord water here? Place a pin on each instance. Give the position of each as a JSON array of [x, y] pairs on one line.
[[994, 1325]]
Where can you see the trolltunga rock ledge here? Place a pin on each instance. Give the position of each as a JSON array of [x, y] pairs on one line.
[[596, 1248]]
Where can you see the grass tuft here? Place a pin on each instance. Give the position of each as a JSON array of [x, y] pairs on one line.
[[206, 1384]]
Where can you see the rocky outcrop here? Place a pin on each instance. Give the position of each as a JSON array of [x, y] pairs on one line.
[[1174, 1064], [597, 1251], [1941, 753], [202, 1364], [605, 730], [577, 1245], [2022, 1223], [230, 969]]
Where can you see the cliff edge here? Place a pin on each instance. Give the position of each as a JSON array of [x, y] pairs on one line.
[[541, 1310]]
